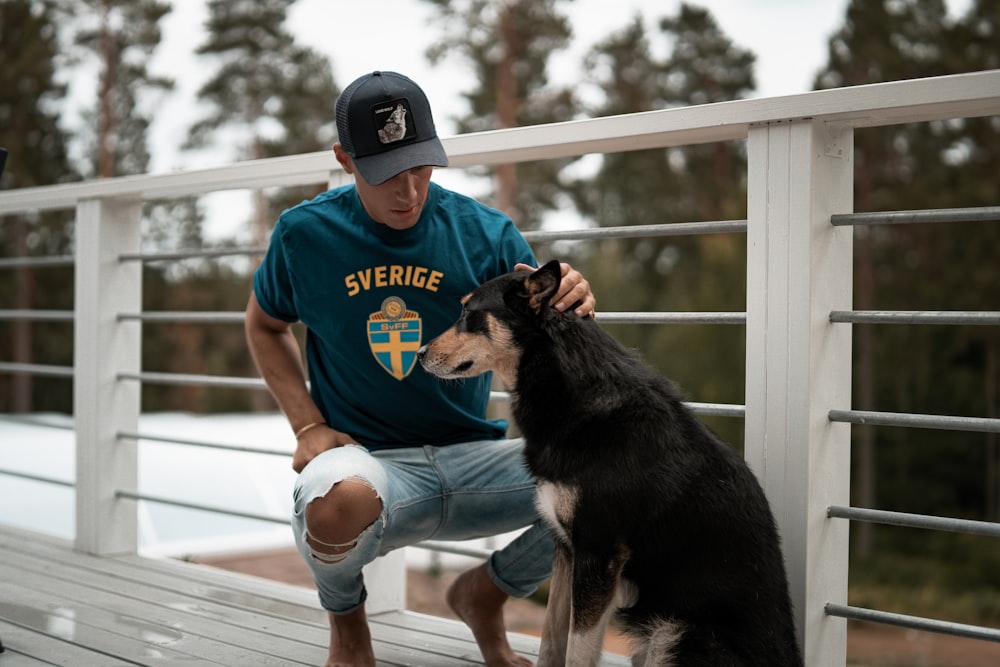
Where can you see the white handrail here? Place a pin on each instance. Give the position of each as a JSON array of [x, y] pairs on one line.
[[918, 100]]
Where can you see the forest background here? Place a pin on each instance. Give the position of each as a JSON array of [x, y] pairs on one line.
[[270, 95]]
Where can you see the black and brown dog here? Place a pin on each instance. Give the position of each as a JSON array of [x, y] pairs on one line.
[[652, 513]]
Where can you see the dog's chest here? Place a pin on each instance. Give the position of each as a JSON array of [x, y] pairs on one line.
[[557, 505]]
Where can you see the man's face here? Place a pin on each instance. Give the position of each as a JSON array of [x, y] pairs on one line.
[[398, 202]]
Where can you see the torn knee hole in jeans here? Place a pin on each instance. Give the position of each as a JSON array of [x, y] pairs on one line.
[[342, 550], [335, 553]]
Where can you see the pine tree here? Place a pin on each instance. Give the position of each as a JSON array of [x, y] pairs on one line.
[[29, 121], [508, 44], [123, 37], [270, 97], [676, 185], [974, 152], [275, 95], [29, 129], [943, 370]]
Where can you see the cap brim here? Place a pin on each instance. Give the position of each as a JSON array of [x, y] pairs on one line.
[[379, 168]]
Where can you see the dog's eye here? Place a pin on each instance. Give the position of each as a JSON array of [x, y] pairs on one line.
[[460, 323], [476, 321]]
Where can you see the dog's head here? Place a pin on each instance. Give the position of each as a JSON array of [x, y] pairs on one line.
[[489, 334]]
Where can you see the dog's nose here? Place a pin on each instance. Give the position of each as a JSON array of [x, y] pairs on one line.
[[422, 352]]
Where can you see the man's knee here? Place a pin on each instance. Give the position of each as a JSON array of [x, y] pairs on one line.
[[336, 520]]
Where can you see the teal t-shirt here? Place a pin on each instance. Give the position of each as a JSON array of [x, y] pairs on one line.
[[370, 296]]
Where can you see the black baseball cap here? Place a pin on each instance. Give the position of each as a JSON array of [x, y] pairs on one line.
[[384, 123]]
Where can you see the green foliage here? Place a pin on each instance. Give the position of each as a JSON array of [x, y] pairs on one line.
[[122, 36], [673, 273], [190, 347], [948, 576], [924, 369], [508, 45], [30, 131], [277, 94], [936, 370]]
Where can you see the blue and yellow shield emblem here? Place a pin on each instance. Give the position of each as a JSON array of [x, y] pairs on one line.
[[394, 337]]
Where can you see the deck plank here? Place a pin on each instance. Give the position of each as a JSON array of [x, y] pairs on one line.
[[61, 607], [221, 611], [85, 615], [28, 648]]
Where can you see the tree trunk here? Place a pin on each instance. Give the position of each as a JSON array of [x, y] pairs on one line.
[[24, 281], [106, 123], [508, 105]]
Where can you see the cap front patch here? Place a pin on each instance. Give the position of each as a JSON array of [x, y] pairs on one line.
[[394, 121]]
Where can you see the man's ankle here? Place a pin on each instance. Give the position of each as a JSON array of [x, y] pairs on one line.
[[350, 640]]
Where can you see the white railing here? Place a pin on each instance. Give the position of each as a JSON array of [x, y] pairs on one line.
[[798, 309]]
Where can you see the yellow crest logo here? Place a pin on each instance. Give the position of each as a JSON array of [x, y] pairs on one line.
[[394, 337]]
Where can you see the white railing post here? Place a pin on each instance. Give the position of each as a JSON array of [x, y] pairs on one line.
[[105, 346], [385, 579], [799, 268]]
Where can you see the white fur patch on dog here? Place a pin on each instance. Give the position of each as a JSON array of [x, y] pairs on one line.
[[557, 504], [657, 650], [628, 593]]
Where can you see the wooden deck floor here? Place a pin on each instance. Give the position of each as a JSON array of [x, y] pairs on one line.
[[60, 607]]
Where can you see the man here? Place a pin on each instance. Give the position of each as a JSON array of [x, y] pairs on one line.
[[388, 455]]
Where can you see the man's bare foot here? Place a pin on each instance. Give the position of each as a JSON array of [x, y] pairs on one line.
[[350, 640], [479, 603]]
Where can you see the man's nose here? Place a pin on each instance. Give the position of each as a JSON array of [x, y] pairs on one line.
[[406, 184]]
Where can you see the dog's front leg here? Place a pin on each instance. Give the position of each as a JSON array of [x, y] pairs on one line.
[[596, 579], [586, 644], [555, 630]]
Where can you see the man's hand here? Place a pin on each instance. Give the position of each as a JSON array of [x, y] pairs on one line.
[[573, 288], [314, 442]]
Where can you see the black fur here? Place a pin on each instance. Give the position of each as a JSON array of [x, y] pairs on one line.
[[656, 487]]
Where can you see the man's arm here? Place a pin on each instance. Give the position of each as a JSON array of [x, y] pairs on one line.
[[276, 353]]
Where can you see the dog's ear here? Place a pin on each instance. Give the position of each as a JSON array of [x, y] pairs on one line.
[[541, 285]]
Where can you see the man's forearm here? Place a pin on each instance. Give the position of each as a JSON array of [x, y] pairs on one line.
[[279, 362]]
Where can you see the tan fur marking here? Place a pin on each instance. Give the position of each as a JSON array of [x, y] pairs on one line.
[[534, 301], [506, 355], [496, 352]]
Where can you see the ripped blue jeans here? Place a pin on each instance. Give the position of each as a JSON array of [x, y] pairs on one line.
[[454, 492]]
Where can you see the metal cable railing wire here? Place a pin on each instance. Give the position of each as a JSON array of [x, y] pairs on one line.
[[942, 317], [940, 215], [39, 315], [36, 369], [36, 261], [132, 495], [639, 231], [7, 472], [913, 622], [941, 422], [907, 520]]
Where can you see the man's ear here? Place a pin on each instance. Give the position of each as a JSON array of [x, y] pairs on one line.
[[343, 158], [542, 285]]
